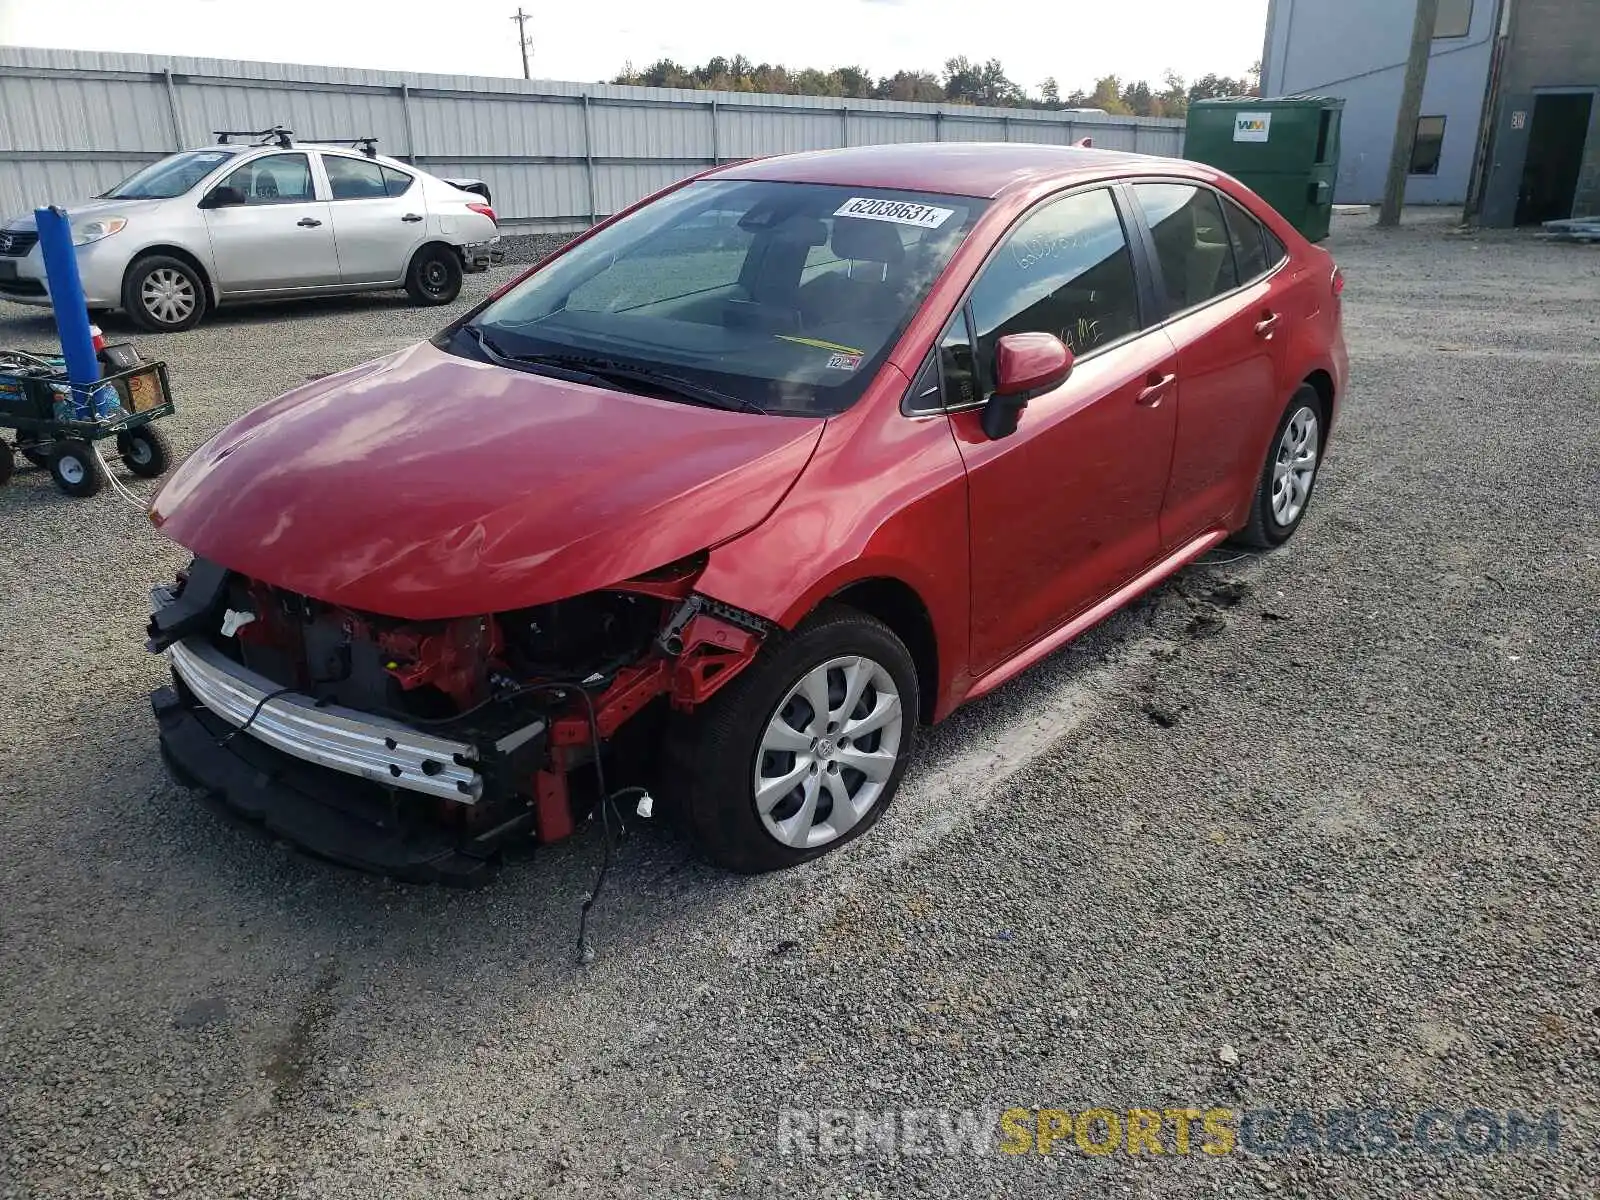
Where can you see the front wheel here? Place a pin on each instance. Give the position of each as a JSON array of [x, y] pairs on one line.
[[434, 276], [804, 750], [76, 468], [145, 451], [1290, 473], [164, 294]]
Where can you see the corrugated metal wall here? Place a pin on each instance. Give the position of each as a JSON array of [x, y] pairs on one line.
[[555, 155]]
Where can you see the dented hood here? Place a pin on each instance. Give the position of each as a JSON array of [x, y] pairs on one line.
[[423, 485]]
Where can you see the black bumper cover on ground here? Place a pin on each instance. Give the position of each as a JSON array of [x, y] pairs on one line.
[[330, 815]]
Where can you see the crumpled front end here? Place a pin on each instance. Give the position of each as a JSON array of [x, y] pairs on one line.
[[422, 749]]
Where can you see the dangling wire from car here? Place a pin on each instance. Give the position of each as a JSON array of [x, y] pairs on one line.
[[607, 804]]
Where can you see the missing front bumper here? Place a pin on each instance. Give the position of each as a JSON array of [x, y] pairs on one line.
[[327, 814], [339, 739]]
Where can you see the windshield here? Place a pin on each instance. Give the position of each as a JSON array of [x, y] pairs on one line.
[[782, 296], [172, 176]]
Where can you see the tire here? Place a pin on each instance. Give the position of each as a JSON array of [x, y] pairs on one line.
[[434, 276], [164, 294], [145, 451], [728, 745], [76, 468], [8, 463], [1281, 501]]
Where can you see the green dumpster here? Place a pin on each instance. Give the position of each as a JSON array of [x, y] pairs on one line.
[[1285, 149]]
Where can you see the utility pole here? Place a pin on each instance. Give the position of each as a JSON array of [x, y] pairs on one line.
[[523, 40], [1405, 130]]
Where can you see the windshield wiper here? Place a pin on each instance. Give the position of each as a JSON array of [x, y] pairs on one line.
[[605, 373]]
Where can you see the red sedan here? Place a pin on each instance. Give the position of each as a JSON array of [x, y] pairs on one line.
[[730, 493]]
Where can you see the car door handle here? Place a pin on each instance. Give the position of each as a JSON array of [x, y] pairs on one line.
[[411, 217], [1157, 386], [308, 222], [1267, 324]]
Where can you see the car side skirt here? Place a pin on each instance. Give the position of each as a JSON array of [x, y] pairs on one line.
[[1090, 617]]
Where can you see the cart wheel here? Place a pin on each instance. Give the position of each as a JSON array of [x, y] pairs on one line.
[[144, 451], [38, 453], [76, 468], [8, 464]]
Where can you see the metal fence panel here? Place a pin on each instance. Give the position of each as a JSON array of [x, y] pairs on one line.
[[644, 131], [877, 128], [555, 154]]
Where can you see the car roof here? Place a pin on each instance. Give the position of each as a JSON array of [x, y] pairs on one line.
[[981, 169]]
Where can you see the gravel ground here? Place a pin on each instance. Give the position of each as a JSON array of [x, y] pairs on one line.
[[1310, 830]]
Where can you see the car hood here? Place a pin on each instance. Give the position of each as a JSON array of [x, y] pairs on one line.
[[423, 485], [87, 210]]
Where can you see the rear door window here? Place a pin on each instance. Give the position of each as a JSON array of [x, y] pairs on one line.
[[1249, 250], [1192, 244], [396, 182], [354, 179], [1067, 270], [1274, 249]]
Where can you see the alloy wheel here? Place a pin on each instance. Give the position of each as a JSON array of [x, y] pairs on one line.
[[1295, 466], [828, 752]]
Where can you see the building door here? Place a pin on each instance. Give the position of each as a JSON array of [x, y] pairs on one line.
[[1557, 134]]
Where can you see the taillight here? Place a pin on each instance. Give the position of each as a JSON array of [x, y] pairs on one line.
[[484, 210], [1338, 282]]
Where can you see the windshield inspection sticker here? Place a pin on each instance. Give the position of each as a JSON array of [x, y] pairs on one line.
[[900, 212], [844, 362]]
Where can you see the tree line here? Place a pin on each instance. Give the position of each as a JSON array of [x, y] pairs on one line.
[[961, 82]]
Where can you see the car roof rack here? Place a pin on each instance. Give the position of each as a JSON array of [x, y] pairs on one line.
[[277, 135], [367, 145]]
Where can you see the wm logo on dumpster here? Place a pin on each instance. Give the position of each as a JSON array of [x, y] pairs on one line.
[[1252, 127]]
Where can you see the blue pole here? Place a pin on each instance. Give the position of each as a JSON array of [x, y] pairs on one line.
[[66, 297]]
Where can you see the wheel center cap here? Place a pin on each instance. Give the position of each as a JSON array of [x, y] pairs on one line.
[[825, 747]]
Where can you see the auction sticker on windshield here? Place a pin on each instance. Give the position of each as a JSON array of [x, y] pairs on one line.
[[901, 212]]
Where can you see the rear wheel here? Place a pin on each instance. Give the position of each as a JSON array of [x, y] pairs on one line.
[[1289, 475], [145, 451], [434, 276], [163, 294], [76, 468], [804, 750], [8, 464]]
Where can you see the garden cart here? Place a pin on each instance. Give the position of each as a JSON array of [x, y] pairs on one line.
[[58, 425]]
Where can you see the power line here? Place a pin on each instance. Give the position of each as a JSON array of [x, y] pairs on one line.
[[523, 40]]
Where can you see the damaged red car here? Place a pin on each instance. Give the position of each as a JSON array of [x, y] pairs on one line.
[[729, 495]]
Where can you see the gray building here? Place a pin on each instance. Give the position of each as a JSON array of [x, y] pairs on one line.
[[1510, 125]]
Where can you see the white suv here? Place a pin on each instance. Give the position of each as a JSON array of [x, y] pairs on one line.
[[274, 220]]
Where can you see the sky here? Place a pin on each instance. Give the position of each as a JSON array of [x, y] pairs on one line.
[[1074, 41]]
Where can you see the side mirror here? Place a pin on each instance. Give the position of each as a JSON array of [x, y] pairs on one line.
[[1025, 365], [223, 197]]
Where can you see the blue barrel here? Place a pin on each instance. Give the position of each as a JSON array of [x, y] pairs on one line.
[[72, 313]]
